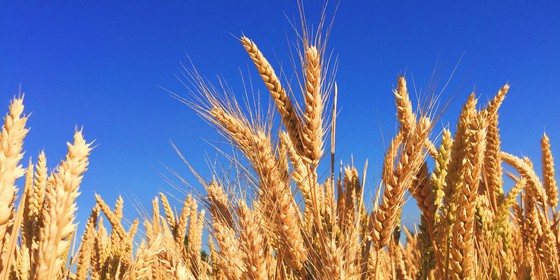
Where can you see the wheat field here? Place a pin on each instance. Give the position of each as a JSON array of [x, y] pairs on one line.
[[290, 221]]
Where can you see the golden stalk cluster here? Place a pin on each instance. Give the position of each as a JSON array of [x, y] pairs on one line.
[[297, 225]]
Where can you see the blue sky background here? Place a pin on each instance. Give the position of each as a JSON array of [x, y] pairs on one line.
[[101, 65]]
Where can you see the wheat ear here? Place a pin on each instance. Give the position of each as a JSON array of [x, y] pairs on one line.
[[547, 249], [86, 246], [549, 181], [169, 216], [312, 135], [11, 144], [283, 103], [219, 203], [39, 190], [277, 193], [194, 245], [59, 211], [492, 167], [454, 184], [28, 211], [274, 190], [405, 115], [112, 217], [396, 183], [252, 243], [11, 245], [463, 232], [534, 184], [229, 254], [180, 230]]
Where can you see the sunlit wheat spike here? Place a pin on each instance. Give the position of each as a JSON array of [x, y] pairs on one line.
[[11, 145], [549, 181], [59, 211], [312, 135], [281, 99]]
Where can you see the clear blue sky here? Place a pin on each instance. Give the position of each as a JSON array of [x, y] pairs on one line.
[[100, 65]]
